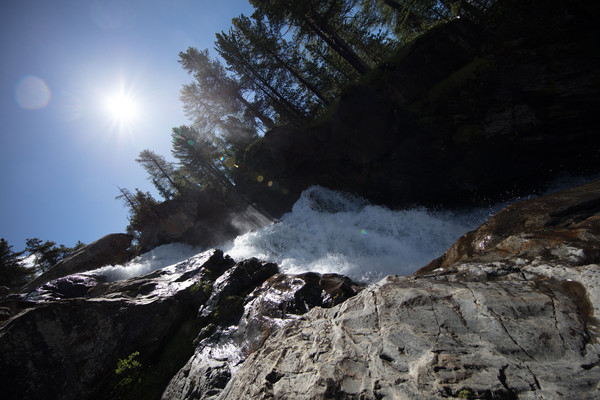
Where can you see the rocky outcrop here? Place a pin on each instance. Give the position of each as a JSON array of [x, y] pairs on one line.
[[79, 337], [465, 114], [108, 250], [261, 313], [509, 312], [561, 226]]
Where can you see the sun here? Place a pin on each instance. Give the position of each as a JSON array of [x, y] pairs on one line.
[[122, 108]]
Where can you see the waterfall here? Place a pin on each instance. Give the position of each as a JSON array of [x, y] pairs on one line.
[[334, 232], [329, 231]]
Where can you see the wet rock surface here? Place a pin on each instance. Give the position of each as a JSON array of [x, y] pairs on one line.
[[508, 312], [81, 337], [512, 317]]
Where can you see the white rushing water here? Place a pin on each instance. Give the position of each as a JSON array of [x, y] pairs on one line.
[[329, 231], [160, 257]]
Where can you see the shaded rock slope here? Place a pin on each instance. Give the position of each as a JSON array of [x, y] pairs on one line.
[[465, 114], [509, 312]]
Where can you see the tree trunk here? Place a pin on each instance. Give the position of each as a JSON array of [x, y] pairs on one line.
[[268, 122], [297, 75], [339, 45]]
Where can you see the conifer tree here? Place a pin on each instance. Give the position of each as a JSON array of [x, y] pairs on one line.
[[314, 18], [214, 94], [161, 173], [12, 271]]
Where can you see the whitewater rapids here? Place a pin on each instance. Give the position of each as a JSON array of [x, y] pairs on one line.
[[332, 232]]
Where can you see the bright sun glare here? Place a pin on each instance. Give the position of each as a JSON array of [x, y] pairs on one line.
[[122, 108]]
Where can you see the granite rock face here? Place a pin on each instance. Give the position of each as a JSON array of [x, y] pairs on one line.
[[510, 312], [224, 346]]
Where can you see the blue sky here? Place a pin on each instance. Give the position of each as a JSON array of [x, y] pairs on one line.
[[62, 151]]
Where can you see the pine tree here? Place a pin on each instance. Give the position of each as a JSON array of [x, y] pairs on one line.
[[277, 53], [143, 210], [240, 58], [12, 271], [47, 254], [313, 18], [214, 94], [197, 156], [161, 173]]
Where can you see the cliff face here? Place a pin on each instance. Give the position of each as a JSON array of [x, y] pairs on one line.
[[509, 312], [466, 113]]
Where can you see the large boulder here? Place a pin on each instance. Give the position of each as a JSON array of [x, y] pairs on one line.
[[110, 249], [241, 323], [510, 312]]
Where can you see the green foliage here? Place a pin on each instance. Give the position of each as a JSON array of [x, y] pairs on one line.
[[12, 272], [465, 394], [201, 290], [127, 378], [127, 366], [143, 209]]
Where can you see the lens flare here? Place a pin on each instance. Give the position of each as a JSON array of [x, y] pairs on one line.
[[32, 93]]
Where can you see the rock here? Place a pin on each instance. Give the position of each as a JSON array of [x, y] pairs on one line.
[[510, 312], [561, 226], [111, 249], [69, 348], [201, 317], [249, 323], [69, 287], [465, 115]]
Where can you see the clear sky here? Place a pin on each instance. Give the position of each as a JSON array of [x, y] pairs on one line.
[[85, 85]]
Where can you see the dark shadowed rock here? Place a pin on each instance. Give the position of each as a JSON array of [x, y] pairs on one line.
[[464, 115], [111, 249], [201, 218], [69, 348]]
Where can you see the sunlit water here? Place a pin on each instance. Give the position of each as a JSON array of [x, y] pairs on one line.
[[160, 257], [329, 231]]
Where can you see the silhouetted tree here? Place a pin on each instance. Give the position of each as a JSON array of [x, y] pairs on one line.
[[142, 209], [12, 271], [314, 18], [47, 254], [214, 94], [161, 173]]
